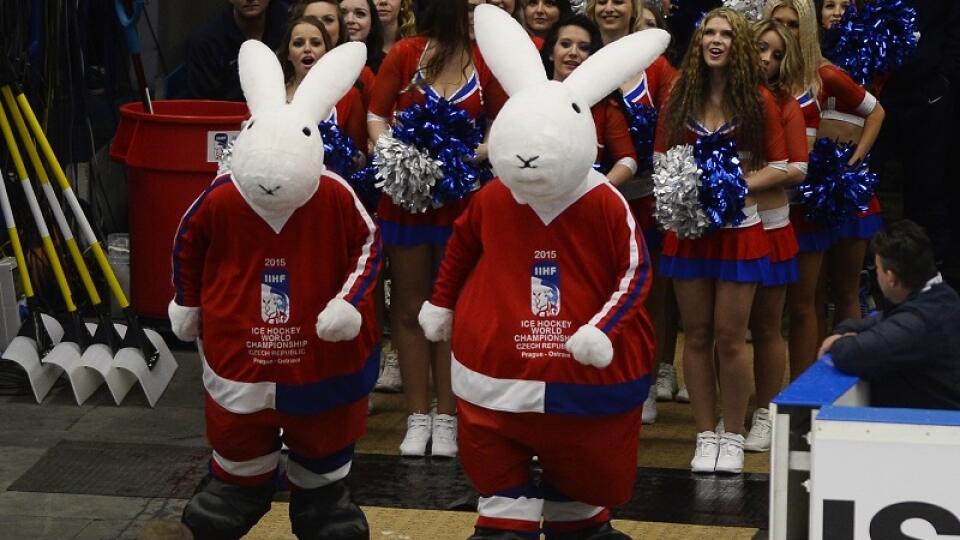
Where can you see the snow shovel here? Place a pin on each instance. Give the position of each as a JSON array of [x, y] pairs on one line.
[[65, 354], [40, 332], [143, 355]]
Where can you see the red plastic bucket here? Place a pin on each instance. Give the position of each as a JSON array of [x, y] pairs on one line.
[[171, 156]]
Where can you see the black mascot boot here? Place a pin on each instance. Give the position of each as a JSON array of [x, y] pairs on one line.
[[327, 513], [604, 531], [222, 511], [482, 533]]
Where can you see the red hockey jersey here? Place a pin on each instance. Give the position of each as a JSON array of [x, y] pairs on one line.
[[260, 290], [521, 287]]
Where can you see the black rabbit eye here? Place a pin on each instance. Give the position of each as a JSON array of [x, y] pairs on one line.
[[306, 131], [250, 123], [576, 108]]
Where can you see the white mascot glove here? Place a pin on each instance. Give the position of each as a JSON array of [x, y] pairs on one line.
[[339, 321], [184, 321], [436, 322], [590, 346]]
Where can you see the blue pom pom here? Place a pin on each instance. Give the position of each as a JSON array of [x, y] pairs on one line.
[[642, 123], [723, 191], [339, 151], [447, 133], [873, 41], [833, 191], [364, 183]]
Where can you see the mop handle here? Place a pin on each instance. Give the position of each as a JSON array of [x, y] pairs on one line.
[[51, 197], [72, 201], [15, 238], [31, 197], [129, 24]]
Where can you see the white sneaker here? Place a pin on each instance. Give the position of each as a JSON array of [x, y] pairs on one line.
[[682, 395], [415, 441], [649, 414], [730, 458], [666, 383], [705, 456], [389, 380], [761, 432], [444, 436]]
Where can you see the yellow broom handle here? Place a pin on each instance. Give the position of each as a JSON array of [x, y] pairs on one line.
[[35, 210], [15, 239], [51, 197], [71, 197]]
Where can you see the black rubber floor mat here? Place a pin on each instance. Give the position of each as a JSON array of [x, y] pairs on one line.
[[151, 470], [119, 469]]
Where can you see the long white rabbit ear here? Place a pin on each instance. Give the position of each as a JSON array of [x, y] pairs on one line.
[[616, 63], [329, 79], [507, 49], [261, 77]]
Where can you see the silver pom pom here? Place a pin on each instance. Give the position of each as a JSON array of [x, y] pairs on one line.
[[405, 173], [226, 155], [752, 10], [676, 187], [578, 6]]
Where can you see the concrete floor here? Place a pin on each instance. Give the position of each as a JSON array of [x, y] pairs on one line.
[[27, 430]]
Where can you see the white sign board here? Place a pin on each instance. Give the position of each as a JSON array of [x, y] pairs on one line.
[[884, 481]]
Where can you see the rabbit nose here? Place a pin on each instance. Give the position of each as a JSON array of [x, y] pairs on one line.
[[268, 191], [527, 163]]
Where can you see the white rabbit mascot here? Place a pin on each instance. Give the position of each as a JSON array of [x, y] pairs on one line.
[[542, 287], [266, 248]]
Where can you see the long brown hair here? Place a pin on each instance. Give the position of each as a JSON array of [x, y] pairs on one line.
[[789, 81], [446, 25], [741, 97]]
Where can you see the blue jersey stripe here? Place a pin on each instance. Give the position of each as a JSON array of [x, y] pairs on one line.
[[178, 243], [595, 399], [637, 288], [315, 398]]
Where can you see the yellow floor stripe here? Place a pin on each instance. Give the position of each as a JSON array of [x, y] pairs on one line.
[[399, 524]]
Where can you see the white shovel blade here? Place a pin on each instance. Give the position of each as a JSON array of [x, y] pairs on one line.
[[99, 357], [153, 381], [23, 351], [83, 380], [54, 330]]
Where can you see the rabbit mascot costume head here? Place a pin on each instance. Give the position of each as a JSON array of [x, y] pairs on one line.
[[274, 268], [541, 289]]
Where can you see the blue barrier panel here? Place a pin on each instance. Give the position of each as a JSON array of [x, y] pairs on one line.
[[817, 387], [925, 417]]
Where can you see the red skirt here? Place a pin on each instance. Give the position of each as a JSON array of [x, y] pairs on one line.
[[730, 254], [399, 227]]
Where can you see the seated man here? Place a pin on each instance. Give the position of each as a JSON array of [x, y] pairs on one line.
[[911, 354], [211, 59]]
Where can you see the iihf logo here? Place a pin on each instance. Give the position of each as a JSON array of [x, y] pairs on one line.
[[545, 289], [275, 296]]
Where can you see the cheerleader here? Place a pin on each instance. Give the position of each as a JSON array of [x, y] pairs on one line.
[[304, 43], [398, 20], [806, 317], [540, 15], [649, 89], [850, 114], [362, 22], [441, 62], [719, 92], [512, 7], [327, 12], [783, 69], [567, 46]]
